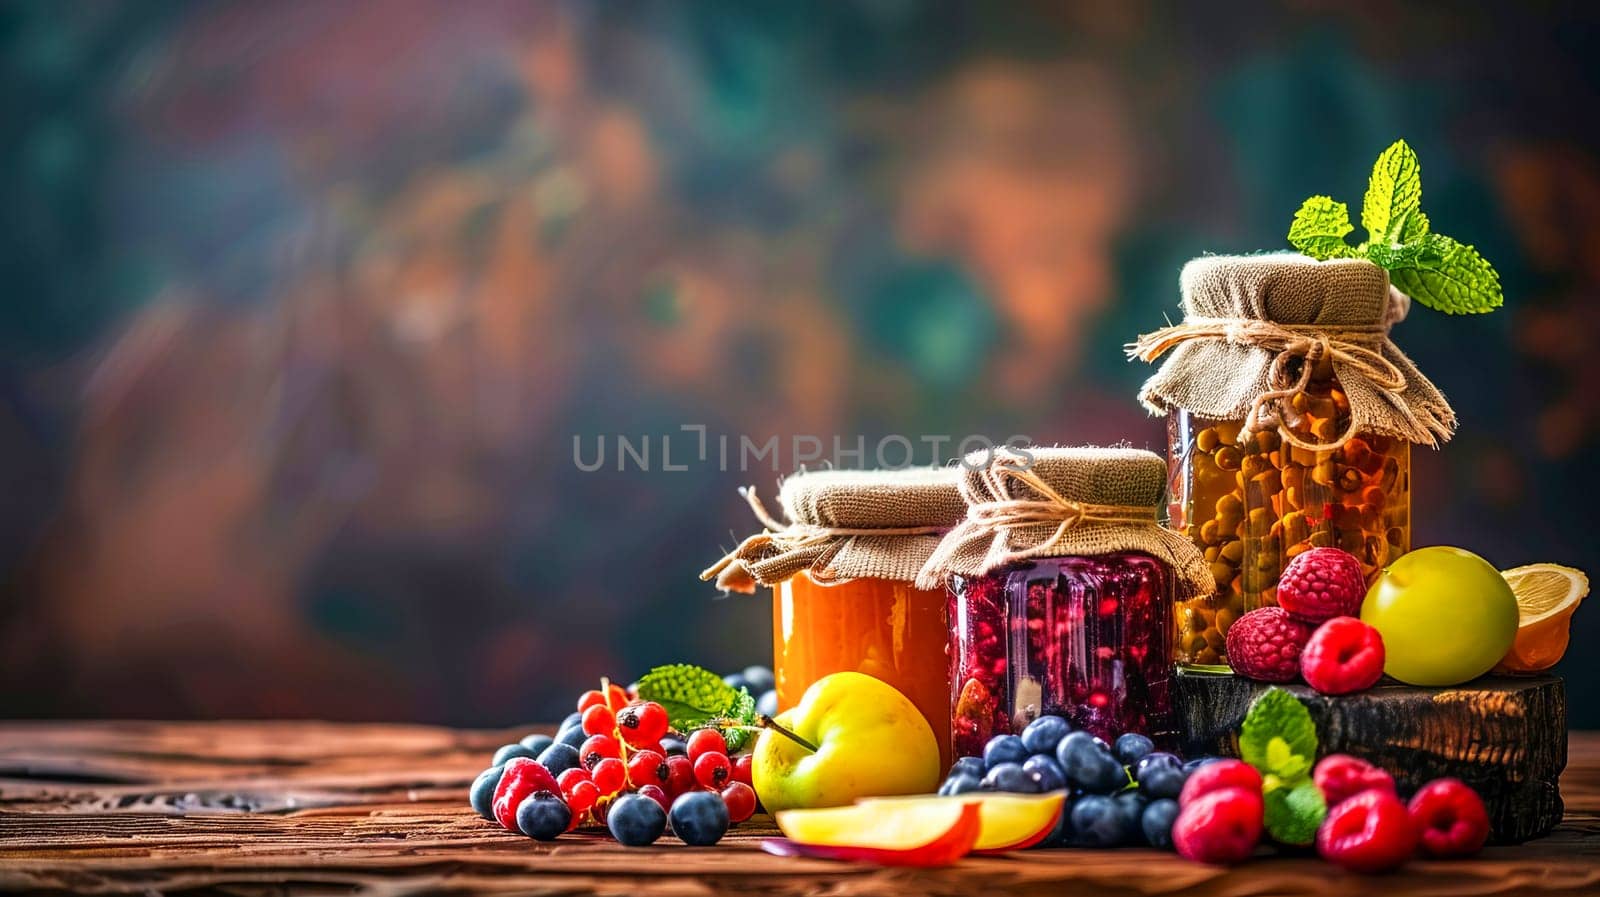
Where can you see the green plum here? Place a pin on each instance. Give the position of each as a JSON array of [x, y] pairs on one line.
[[1446, 616]]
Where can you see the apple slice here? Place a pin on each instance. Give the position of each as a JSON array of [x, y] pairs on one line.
[[1008, 821], [889, 833]]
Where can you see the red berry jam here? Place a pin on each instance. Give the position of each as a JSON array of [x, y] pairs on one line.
[[1088, 638]]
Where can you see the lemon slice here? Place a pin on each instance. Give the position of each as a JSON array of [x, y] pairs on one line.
[[1547, 594]]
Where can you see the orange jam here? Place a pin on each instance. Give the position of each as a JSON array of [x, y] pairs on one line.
[[882, 627]]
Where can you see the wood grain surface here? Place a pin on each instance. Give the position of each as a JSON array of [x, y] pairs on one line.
[[280, 807]]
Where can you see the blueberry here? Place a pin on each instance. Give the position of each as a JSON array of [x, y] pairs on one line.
[[1159, 775], [1010, 777], [543, 816], [1088, 762], [1153, 760], [507, 751], [1157, 822], [1044, 770], [1043, 734], [573, 719], [671, 746], [573, 737], [1003, 749], [699, 818], [1132, 747], [972, 766], [537, 743], [558, 758], [959, 783], [1096, 822], [482, 791], [736, 681], [1198, 762], [1162, 782], [1130, 808], [759, 679], [636, 821], [767, 704]]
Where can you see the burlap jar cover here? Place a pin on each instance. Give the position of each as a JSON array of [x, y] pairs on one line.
[[1061, 502], [1254, 326], [843, 525]]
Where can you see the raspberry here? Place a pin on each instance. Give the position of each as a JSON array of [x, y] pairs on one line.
[[1222, 826], [1344, 655], [1370, 832], [1216, 776], [1449, 818], [1265, 644], [1321, 584], [1341, 776]]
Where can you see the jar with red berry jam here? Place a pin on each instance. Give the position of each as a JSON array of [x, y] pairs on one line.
[[841, 568], [1062, 583]]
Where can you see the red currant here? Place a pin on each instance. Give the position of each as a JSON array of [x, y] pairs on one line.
[[599, 720], [680, 775], [642, 725], [713, 770], [578, 790], [743, 766], [706, 741], [590, 698], [596, 748], [609, 776], [655, 793], [618, 698], [741, 801], [647, 768]]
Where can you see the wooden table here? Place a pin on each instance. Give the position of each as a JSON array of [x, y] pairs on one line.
[[245, 808]]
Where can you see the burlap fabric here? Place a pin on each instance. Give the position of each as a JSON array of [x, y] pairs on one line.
[[1065, 502], [1227, 354], [846, 524]]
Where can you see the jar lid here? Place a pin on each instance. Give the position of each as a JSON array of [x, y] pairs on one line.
[[846, 524], [1063, 501], [1253, 327]]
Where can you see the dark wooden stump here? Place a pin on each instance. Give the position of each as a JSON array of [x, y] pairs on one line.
[[1506, 737]]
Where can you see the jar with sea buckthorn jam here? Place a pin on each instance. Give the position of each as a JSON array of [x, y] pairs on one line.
[[1290, 420]]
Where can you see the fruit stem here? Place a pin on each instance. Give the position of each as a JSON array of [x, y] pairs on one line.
[[767, 722]]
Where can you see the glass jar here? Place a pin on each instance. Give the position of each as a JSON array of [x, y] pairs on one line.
[[885, 628], [1252, 507], [1088, 638]]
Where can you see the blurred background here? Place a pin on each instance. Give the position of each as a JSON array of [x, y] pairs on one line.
[[306, 302]]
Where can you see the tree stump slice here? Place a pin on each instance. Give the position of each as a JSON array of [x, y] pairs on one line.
[[1506, 737]]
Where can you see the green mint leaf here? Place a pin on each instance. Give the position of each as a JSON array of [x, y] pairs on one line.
[[1450, 277], [691, 695], [1319, 229], [1416, 227], [742, 713], [1277, 715], [1278, 753], [1394, 195], [1293, 814]]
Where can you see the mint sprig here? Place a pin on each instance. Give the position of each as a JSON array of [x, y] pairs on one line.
[[1433, 269], [1280, 740], [695, 698]]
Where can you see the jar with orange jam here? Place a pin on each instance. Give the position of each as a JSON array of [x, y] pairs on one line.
[[842, 568]]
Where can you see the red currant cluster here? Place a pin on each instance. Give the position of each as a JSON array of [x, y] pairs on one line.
[[628, 749]]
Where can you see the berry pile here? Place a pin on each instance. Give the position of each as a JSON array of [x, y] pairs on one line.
[[615, 762], [1120, 794], [1312, 633], [1367, 829]]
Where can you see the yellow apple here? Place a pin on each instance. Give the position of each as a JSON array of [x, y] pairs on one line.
[[870, 741]]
